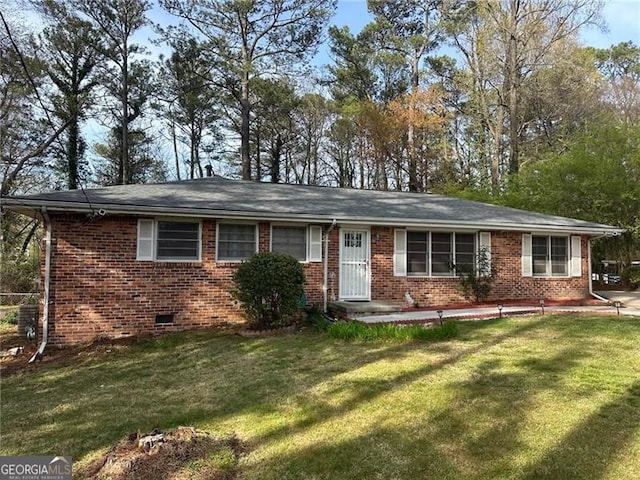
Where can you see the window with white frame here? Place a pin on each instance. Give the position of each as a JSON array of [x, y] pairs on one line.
[[465, 246], [291, 240], [418, 253], [236, 242], [436, 253], [168, 240], [550, 256], [301, 242]]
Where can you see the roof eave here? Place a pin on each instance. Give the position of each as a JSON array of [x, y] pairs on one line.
[[33, 207]]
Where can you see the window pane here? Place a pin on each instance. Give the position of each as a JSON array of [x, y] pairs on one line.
[[236, 242], [559, 256], [540, 255], [178, 241], [417, 253], [465, 252], [441, 254], [353, 240], [290, 240]]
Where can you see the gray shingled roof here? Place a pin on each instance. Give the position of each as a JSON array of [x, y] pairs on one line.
[[220, 197]]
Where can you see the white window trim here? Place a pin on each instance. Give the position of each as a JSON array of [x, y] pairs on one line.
[[257, 246], [154, 257], [550, 276], [307, 238], [429, 273]]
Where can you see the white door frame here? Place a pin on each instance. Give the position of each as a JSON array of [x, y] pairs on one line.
[[346, 293]]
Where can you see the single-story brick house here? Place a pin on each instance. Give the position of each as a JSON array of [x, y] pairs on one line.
[[134, 259]]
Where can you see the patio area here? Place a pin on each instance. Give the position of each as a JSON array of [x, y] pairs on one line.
[[381, 312]]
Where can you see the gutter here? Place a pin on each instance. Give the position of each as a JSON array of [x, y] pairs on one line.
[[325, 278], [47, 285], [591, 292]]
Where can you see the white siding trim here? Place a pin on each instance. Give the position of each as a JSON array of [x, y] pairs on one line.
[[146, 239], [400, 252], [576, 257], [527, 261]]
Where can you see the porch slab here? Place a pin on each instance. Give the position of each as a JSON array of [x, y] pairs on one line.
[[355, 309]]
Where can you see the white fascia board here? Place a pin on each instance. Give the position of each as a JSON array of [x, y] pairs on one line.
[[309, 218]]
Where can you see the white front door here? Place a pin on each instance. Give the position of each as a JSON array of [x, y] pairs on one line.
[[354, 264]]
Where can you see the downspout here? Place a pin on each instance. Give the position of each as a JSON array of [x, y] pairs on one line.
[[591, 292], [47, 282], [325, 281]]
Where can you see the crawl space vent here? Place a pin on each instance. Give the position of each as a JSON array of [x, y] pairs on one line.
[[164, 319]]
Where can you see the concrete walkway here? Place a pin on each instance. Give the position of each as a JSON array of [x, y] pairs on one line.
[[490, 312], [628, 299]]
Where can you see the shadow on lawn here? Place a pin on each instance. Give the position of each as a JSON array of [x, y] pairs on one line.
[[371, 390], [379, 454], [216, 380], [449, 445], [444, 446], [74, 411], [587, 451], [491, 408]]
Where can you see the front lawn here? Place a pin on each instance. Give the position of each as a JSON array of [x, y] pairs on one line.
[[535, 397]]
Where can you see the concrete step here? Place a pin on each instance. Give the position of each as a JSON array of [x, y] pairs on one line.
[[354, 309]]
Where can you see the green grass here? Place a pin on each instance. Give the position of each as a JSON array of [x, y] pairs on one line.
[[389, 332], [539, 397]]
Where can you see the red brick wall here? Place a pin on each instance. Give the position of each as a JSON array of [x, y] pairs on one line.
[[99, 289], [506, 248]]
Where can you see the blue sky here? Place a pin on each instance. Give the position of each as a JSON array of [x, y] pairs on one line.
[[622, 17]]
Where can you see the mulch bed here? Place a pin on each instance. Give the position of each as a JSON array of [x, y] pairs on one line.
[[53, 356], [268, 333], [183, 454]]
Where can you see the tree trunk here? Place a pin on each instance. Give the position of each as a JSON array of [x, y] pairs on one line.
[[257, 129], [496, 154], [126, 174], [512, 75], [245, 112], [175, 147], [414, 181], [276, 153], [72, 150], [192, 159]]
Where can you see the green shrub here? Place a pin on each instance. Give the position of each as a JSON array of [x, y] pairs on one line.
[[269, 287], [380, 332], [477, 281], [631, 276], [19, 274], [10, 317]]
